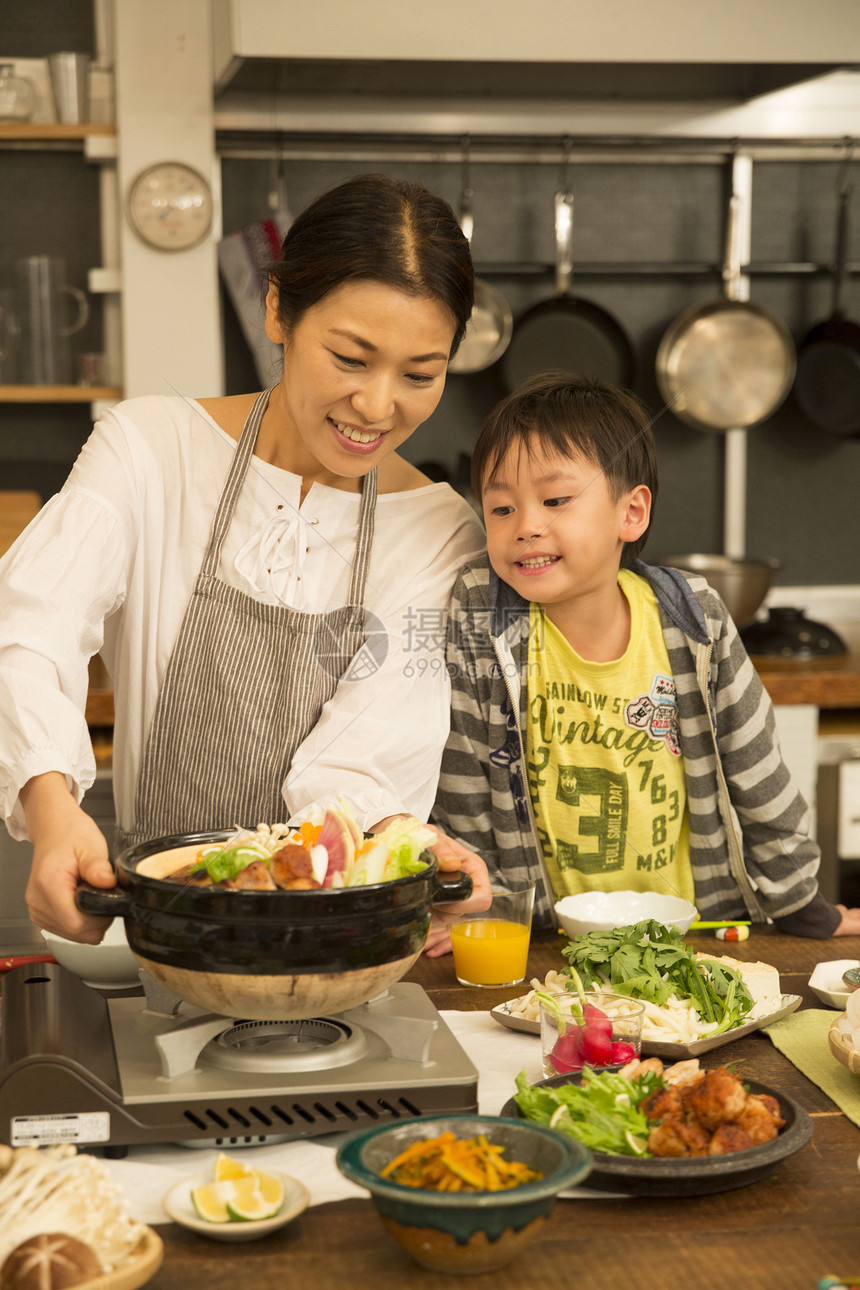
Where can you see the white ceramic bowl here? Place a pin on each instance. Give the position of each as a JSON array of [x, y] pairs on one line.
[[178, 1204], [601, 911], [826, 981], [107, 966]]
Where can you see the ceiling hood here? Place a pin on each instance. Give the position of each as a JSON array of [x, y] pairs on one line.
[[595, 49], [745, 69]]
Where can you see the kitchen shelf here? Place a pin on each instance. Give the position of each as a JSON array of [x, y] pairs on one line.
[[59, 393], [47, 132], [100, 709]]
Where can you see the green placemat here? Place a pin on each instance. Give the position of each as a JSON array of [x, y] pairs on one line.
[[802, 1038]]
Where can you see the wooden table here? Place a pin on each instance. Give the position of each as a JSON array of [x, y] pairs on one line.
[[782, 1233]]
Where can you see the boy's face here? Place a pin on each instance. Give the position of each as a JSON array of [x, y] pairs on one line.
[[554, 531]]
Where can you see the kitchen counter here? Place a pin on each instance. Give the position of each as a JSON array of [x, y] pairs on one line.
[[832, 683], [789, 1229], [828, 683]]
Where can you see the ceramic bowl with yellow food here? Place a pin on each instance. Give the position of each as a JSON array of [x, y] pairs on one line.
[[482, 1226]]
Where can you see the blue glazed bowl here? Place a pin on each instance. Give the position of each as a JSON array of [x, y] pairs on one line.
[[465, 1231]]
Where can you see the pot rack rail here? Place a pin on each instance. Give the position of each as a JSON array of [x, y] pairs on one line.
[[567, 150], [518, 149], [565, 153]]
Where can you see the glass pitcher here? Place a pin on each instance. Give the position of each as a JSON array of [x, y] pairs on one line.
[[43, 294], [10, 334]]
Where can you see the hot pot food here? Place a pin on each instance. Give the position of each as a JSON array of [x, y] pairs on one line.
[[274, 954]]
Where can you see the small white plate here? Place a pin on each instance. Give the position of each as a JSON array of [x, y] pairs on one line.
[[179, 1206], [826, 981]]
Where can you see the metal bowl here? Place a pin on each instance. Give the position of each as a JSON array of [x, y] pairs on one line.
[[742, 583]]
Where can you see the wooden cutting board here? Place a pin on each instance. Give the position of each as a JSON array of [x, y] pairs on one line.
[[16, 511]]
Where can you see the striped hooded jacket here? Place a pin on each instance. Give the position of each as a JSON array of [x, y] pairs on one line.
[[750, 849]]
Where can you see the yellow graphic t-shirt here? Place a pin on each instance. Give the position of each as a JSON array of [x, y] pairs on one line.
[[606, 775]]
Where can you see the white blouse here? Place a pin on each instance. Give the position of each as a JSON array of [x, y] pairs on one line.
[[109, 564]]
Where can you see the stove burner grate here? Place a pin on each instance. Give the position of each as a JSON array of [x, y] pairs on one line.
[[321, 1043]]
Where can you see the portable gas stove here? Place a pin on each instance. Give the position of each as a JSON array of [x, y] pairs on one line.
[[77, 1066]]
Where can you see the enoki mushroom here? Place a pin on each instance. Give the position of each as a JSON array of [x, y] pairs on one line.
[[53, 1189]]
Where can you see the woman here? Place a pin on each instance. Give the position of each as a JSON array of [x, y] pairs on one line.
[[230, 557]]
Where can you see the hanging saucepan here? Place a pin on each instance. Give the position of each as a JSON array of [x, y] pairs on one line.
[[727, 364], [489, 329], [267, 955], [566, 333], [828, 365]]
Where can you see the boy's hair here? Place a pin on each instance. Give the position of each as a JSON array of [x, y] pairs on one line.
[[568, 415]]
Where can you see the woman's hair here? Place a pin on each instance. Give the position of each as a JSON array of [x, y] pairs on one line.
[[379, 228], [565, 416]]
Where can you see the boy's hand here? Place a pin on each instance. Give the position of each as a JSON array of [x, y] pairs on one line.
[[453, 856], [850, 925]]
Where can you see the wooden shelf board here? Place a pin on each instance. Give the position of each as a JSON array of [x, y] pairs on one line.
[[59, 393], [44, 130]]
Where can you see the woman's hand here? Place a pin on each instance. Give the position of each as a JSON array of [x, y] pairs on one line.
[[68, 849], [453, 856], [850, 925]]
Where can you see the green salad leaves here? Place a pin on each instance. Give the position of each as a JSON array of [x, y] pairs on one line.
[[602, 1112], [650, 961]]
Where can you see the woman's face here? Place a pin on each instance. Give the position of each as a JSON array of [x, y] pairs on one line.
[[362, 369]]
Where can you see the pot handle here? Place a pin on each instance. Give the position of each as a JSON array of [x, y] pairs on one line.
[[111, 902], [448, 893]]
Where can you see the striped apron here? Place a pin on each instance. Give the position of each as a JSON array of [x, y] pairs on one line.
[[245, 685]]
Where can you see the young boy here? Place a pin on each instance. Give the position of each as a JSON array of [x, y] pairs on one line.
[[608, 728]]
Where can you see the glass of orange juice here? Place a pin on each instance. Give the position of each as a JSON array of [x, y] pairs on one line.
[[492, 947]]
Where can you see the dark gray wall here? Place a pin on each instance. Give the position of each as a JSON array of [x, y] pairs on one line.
[[803, 483]]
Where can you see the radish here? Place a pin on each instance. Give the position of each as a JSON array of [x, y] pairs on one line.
[[622, 1052], [595, 1046], [337, 839], [597, 1018], [566, 1056]]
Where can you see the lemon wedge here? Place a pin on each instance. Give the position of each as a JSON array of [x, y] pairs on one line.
[[638, 1145], [210, 1201], [227, 1169], [242, 1199], [264, 1200]]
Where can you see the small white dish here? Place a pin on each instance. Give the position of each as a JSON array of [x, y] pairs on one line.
[[110, 965], [826, 981], [179, 1206], [601, 911]]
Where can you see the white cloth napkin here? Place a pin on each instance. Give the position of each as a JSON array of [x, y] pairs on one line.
[[148, 1173]]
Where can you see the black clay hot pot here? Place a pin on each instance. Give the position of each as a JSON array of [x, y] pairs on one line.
[[268, 955]]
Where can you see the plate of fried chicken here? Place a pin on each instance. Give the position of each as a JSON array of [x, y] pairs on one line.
[[710, 1131]]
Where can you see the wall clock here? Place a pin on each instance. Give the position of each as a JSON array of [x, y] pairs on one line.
[[170, 206]]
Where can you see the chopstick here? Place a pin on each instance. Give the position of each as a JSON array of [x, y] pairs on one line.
[[22, 960], [731, 922]]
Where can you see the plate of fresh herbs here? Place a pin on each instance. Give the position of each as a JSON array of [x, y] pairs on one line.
[[650, 961]]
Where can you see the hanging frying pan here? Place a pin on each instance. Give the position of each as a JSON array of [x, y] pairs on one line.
[[566, 333], [488, 331], [828, 365], [727, 364]]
